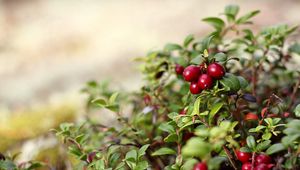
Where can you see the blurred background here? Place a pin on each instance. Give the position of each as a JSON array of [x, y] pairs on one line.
[[50, 48]]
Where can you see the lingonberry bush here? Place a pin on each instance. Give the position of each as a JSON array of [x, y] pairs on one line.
[[226, 101]]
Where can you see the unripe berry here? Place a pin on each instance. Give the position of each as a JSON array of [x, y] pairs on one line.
[[191, 73], [216, 70]]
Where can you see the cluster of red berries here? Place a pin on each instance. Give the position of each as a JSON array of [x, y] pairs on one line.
[[261, 162], [200, 77]]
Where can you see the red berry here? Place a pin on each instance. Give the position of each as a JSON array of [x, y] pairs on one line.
[[247, 166], [216, 70], [262, 167], [191, 73], [179, 69], [205, 81], [195, 88], [91, 157], [200, 166], [262, 159], [286, 114], [251, 116], [243, 156]]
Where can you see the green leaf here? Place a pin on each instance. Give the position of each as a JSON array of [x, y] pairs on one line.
[[99, 102], [172, 47], [220, 58], [188, 40], [214, 110], [251, 142], [197, 60], [142, 150], [245, 149], [196, 106], [288, 140], [216, 22], [244, 19], [297, 110], [206, 41], [164, 151], [215, 162], [131, 154], [243, 82], [196, 147], [263, 145], [189, 164], [231, 12], [141, 165], [166, 127], [231, 81], [171, 138], [275, 148], [113, 98], [7, 165]]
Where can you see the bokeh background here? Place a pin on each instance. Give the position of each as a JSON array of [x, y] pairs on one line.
[[50, 48]]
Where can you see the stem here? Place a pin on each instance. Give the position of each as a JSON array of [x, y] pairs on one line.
[[293, 97], [252, 163], [230, 158]]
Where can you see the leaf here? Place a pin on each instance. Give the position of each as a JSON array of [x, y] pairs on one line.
[[216, 22], [99, 102], [206, 41], [244, 19], [214, 110], [220, 58], [263, 145], [172, 47], [215, 162], [142, 150], [275, 148], [188, 40], [113, 98], [171, 138], [245, 149], [131, 154], [164, 151], [196, 147], [288, 140], [231, 81], [297, 110], [166, 127], [251, 142], [243, 82], [197, 60], [196, 106], [141, 165], [189, 164], [231, 12]]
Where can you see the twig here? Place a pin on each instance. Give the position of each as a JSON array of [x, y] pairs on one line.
[[230, 158]]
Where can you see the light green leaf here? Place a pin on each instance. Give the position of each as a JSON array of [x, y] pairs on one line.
[[214, 110], [113, 98], [297, 110], [245, 18], [188, 40], [196, 106], [164, 151], [275, 148], [196, 147], [251, 142]]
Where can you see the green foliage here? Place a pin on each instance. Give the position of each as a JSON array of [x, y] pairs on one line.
[[170, 128]]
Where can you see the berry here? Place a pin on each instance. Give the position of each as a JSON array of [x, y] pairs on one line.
[[191, 73], [195, 88], [179, 69], [243, 156], [247, 166], [262, 167], [205, 81], [262, 159], [216, 70], [147, 99], [91, 157], [200, 166], [251, 116]]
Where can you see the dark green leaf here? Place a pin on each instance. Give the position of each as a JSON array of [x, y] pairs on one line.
[[263, 145]]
